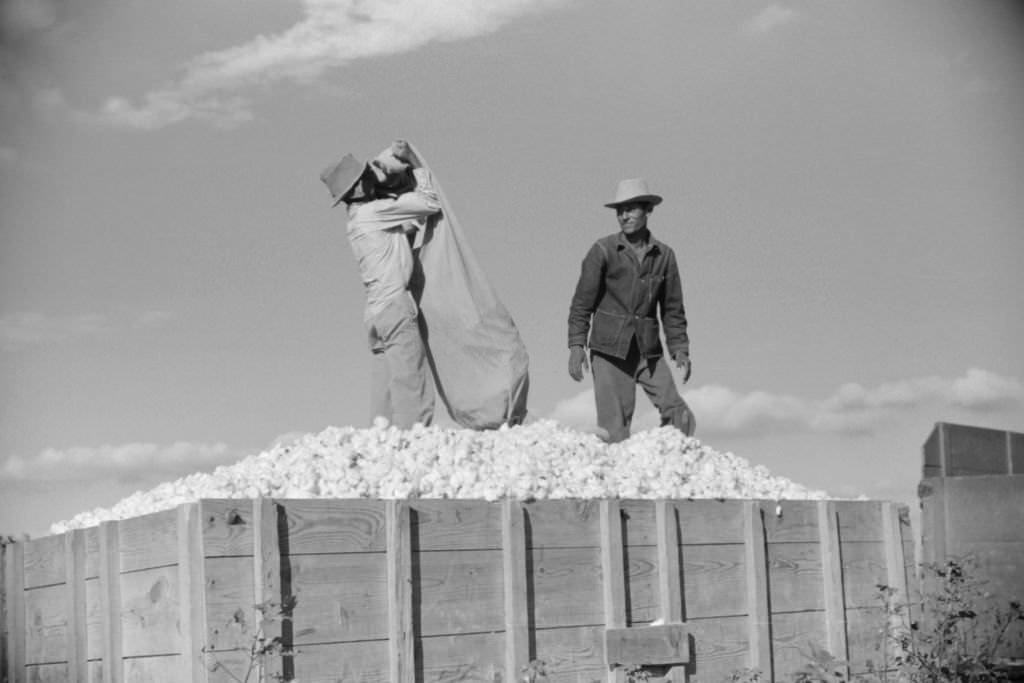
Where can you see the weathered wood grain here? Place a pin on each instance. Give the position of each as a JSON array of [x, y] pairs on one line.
[[866, 627], [229, 601], [75, 606], [47, 673], [758, 608], [566, 582], [859, 521], [790, 521], [572, 654], [460, 592], [163, 669], [339, 597], [720, 647], [44, 561], [192, 594], [46, 625], [227, 527], [647, 645], [335, 526], [401, 637], [832, 575], [93, 620], [564, 523], [150, 612], [792, 637], [469, 657], [456, 525], [515, 587], [863, 570], [795, 576], [613, 580], [92, 552], [110, 601], [149, 540]]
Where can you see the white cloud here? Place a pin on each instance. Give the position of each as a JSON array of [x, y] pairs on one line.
[[851, 409], [125, 463], [331, 34], [30, 328], [983, 390], [772, 17]]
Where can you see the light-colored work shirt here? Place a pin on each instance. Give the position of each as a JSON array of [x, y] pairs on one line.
[[377, 231]]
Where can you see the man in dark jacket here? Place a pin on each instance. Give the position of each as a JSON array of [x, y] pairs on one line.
[[626, 281]]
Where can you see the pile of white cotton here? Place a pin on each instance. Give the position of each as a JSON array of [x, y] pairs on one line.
[[536, 461]]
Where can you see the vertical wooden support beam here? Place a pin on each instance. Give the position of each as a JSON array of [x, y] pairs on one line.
[[895, 562], [1009, 454], [192, 593], [670, 584], [110, 602], [513, 550], [832, 576], [268, 598], [14, 587], [613, 574], [399, 560], [758, 607], [74, 583]]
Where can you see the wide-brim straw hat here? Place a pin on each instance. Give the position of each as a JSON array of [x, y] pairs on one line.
[[341, 177], [634, 190]]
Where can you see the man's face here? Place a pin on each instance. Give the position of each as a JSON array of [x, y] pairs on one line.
[[632, 216]]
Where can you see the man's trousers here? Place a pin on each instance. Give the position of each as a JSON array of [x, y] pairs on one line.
[[615, 381], [400, 386]]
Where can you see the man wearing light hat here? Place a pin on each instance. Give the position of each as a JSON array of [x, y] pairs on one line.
[[627, 279], [389, 200]]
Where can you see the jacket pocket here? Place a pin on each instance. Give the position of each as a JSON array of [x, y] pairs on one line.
[[606, 330]]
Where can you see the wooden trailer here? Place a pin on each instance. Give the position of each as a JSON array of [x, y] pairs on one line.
[[450, 590]]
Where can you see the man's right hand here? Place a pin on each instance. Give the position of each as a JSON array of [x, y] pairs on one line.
[[577, 362]]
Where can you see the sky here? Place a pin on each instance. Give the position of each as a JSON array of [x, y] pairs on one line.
[[842, 185]]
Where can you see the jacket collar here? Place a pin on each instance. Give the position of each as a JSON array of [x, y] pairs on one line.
[[622, 243]]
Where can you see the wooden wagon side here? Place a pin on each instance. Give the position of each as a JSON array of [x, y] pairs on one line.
[[444, 590]]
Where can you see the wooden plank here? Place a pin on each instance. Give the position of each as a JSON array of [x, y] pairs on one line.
[[863, 570], [341, 598], [460, 592], [148, 541], [566, 583], [228, 598], [792, 636], [401, 653], [759, 617], [468, 657], [456, 525], [150, 612], [832, 575], [649, 645], [789, 521], [94, 621], [710, 521], [571, 654], [75, 607], [227, 527], [56, 672], [721, 646], [670, 580], [14, 589], [92, 552], [44, 561], [894, 560], [564, 523], [110, 602], [613, 585], [163, 669], [192, 594], [669, 577], [320, 526], [793, 567], [859, 521], [517, 608], [268, 594], [46, 625]]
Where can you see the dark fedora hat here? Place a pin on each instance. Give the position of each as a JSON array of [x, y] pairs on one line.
[[341, 177]]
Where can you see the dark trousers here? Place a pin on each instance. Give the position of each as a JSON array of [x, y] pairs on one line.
[[615, 381]]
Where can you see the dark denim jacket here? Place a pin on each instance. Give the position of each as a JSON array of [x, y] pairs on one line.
[[619, 296]]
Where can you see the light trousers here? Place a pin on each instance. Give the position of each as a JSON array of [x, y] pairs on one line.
[[400, 390]]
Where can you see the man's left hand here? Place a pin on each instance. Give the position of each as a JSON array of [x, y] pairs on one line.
[[683, 363]]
